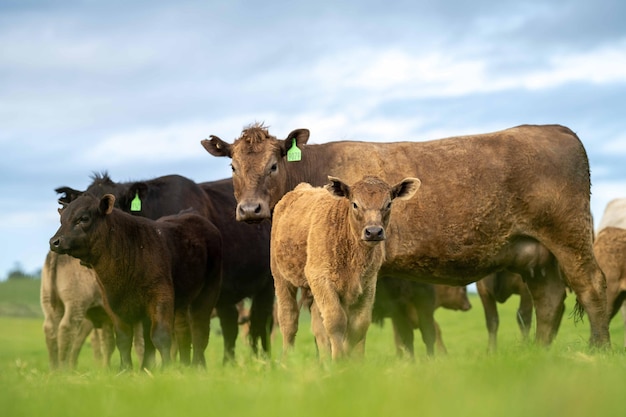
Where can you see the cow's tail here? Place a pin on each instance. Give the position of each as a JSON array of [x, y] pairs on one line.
[[579, 312]]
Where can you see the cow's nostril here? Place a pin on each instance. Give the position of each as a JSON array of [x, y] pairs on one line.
[[374, 233], [257, 210]]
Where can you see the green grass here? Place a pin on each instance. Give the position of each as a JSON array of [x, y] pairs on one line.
[[520, 380], [20, 298]]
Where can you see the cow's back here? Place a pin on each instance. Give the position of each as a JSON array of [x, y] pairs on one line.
[[614, 214]]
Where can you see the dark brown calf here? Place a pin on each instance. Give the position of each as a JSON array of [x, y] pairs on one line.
[[148, 270], [245, 247]]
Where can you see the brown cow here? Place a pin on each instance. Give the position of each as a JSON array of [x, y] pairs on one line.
[[484, 199], [329, 240], [72, 305], [406, 301], [497, 288], [148, 270]]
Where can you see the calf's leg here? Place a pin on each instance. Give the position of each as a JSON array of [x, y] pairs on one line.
[[492, 320]]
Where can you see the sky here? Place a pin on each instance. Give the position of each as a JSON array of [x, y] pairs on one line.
[[132, 87]]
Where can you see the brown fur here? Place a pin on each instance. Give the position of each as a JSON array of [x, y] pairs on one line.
[[497, 288], [610, 251], [323, 242], [484, 199], [148, 270]]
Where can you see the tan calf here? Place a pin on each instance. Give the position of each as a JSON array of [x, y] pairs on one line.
[[328, 239]]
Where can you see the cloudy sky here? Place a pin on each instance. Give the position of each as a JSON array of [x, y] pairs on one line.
[[132, 87]]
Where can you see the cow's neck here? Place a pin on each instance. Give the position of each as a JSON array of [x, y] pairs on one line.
[[314, 167]]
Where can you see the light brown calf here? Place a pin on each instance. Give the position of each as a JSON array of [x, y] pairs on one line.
[[72, 305], [329, 240], [610, 250]]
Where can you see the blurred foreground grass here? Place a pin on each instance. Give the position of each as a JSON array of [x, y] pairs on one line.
[[520, 380]]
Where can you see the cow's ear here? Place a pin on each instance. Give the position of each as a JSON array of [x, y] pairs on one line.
[[301, 136], [136, 190], [107, 202], [405, 189], [67, 194], [216, 146], [337, 187]]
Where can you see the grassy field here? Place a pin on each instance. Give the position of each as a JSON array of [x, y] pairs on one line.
[[520, 380]]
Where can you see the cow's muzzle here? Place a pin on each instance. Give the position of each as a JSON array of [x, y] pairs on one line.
[[251, 211], [56, 244]]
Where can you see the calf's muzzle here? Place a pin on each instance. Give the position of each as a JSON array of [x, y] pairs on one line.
[[373, 234]]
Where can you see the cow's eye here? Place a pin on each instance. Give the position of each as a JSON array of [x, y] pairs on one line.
[[233, 169], [273, 168], [82, 219], [355, 206], [388, 205]]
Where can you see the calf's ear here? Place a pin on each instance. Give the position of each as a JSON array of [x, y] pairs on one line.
[[337, 187], [216, 146], [107, 202], [406, 188]]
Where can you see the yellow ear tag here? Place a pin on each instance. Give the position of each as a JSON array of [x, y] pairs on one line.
[[294, 154], [135, 205]]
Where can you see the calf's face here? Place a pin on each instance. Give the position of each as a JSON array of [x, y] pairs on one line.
[[370, 203], [79, 221]]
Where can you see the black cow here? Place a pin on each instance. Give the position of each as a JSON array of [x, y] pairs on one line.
[[246, 270]]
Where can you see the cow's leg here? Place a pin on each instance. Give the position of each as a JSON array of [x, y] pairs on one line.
[[424, 303], [360, 319], [149, 351], [162, 323], [50, 328], [492, 320], [261, 319], [103, 340], [403, 332], [588, 282], [288, 313], [334, 317], [124, 341], [441, 347], [182, 342], [69, 329], [138, 341], [228, 316], [200, 315], [319, 332], [525, 312], [86, 326], [548, 292]]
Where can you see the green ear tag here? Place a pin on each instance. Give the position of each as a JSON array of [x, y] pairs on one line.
[[294, 154], [135, 205]]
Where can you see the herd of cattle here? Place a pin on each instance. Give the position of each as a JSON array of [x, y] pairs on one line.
[[377, 230]]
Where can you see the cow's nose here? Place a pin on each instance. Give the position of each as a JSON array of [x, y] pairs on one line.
[[251, 212], [246, 209], [55, 242], [374, 233]]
